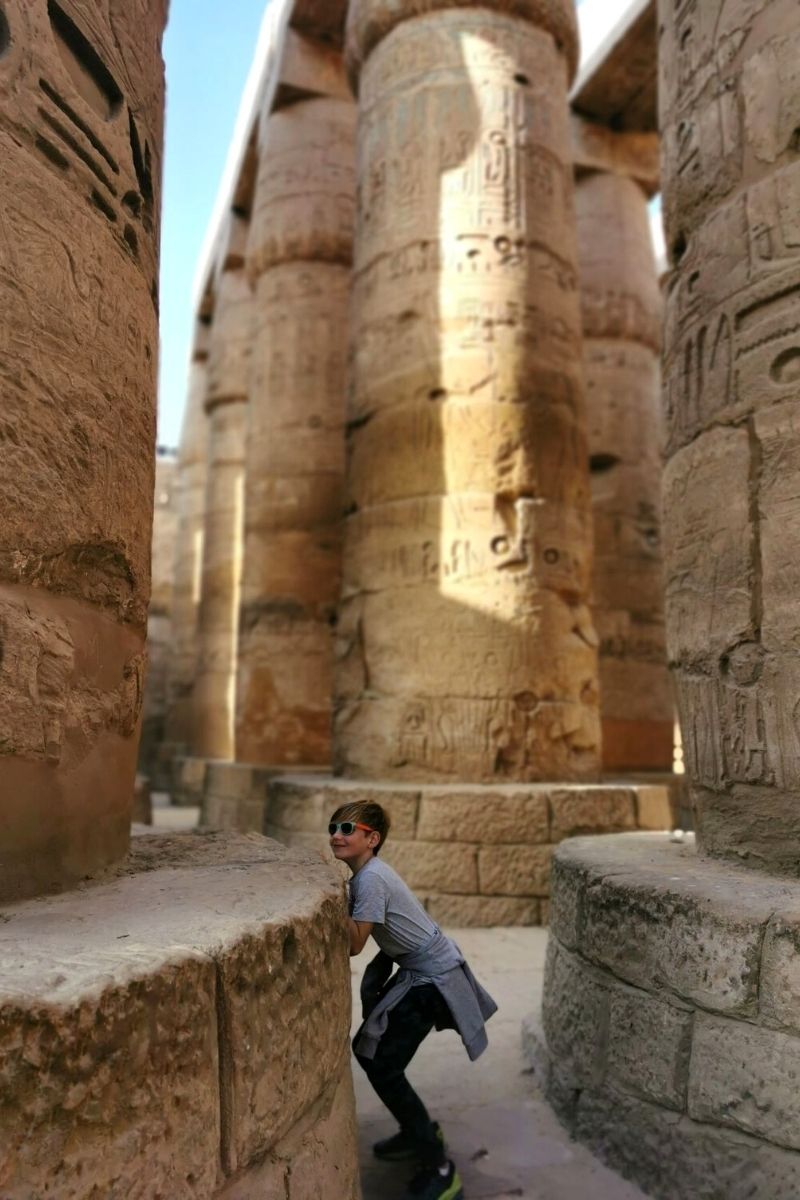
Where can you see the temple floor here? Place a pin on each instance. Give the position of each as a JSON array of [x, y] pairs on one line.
[[501, 1132]]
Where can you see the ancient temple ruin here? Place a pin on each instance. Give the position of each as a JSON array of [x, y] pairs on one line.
[[416, 526], [416, 612]]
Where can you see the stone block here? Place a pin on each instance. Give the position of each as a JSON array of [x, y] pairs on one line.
[[123, 1014], [514, 870], [482, 912], [779, 994], [654, 810], [429, 866], [484, 815], [299, 800], [674, 1158], [237, 781], [746, 1077], [648, 1047], [657, 917], [576, 811], [108, 1085], [575, 1016], [232, 813]]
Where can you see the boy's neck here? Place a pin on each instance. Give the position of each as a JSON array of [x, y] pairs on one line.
[[357, 863]]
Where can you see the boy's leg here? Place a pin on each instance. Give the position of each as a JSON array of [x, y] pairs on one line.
[[409, 1024]]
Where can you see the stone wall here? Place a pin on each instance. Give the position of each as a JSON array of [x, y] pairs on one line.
[[194, 1050], [671, 1018], [475, 856]]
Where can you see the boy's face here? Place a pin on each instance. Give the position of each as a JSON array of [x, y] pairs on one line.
[[350, 848]]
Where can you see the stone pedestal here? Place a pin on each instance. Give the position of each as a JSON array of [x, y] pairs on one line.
[[149, 1038], [299, 254], [476, 855], [670, 1031], [226, 405], [622, 313], [465, 643], [81, 97]]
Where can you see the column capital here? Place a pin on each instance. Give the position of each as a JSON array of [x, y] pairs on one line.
[[636, 155], [370, 21]]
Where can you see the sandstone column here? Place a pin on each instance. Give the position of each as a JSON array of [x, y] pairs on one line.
[[81, 96], [622, 311], [226, 406], [299, 256], [730, 115], [466, 647], [191, 499]]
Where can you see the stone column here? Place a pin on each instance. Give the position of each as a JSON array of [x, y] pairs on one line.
[[622, 313], [732, 361], [192, 473], [466, 646], [226, 406], [299, 256], [81, 98]]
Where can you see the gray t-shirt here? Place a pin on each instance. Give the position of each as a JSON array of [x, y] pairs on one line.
[[400, 923]]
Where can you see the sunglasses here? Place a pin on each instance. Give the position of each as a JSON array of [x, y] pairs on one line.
[[346, 828]]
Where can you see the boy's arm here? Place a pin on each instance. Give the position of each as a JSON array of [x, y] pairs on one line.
[[359, 933]]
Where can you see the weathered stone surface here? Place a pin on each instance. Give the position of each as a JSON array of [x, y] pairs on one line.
[[81, 95], [142, 813], [779, 993], [655, 806], [675, 1158], [621, 314], [514, 870], [467, 543], [728, 101], [747, 1078], [483, 912], [425, 866], [299, 253], [227, 406], [648, 1047], [657, 916], [575, 1017], [191, 502], [121, 1012], [487, 815], [188, 780], [156, 699], [602, 809]]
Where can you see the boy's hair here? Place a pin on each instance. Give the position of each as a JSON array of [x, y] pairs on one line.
[[368, 813]]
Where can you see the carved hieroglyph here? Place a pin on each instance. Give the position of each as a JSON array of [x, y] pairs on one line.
[[466, 647], [299, 256], [81, 97], [226, 406], [731, 111], [191, 504], [622, 308]]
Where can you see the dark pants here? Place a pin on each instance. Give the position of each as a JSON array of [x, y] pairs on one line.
[[420, 1010]]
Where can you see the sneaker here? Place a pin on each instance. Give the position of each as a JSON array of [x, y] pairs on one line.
[[401, 1147], [430, 1184]]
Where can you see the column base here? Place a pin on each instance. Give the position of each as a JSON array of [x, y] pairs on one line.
[[163, 1002], [670, 1033], [189, 780], [477, 855]]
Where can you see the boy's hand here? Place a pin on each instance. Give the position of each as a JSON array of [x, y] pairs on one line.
[[359, 933]]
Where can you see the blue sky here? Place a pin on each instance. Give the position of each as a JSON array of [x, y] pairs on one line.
[[208, 50]]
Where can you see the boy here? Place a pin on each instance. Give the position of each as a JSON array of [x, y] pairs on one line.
[[433, 988]]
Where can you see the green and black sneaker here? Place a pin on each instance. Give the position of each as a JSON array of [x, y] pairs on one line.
[[432, 1184], [401, 1147]]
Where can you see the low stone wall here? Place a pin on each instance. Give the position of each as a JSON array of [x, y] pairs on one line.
[[476, 856], [670, 1031], [180, 1029]]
